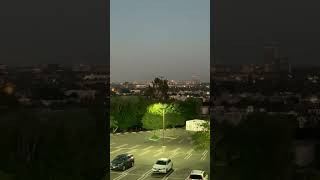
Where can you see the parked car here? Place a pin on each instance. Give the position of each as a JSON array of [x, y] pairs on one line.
[[122, 162], [162, 165], [198, 175]]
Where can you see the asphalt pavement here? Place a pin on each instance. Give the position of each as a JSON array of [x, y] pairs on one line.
[[178, 146]]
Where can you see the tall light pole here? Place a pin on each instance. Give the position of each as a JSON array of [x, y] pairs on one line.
[[163, 113], [163, 126]]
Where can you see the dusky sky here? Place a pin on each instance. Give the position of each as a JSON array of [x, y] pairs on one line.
[[149, 38], [241, 28], [53, 31], [172, 35]]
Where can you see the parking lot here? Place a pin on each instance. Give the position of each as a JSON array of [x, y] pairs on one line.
[[179, 147]]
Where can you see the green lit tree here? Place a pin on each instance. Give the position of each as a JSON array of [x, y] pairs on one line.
[[152, 121], [153, 118]]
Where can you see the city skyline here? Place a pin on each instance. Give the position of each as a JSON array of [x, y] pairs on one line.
[[149, 38]]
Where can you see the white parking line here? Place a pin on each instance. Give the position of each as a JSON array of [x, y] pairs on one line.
[[181, 141], [145, 175], [145, 152], [174, 154], [125, 173], [190, 151], [204, 152], [166, 177], [204, 155], [134, 147], [123, 145], [119, 149], [147, 148], [188, 154], [133, 150], [177, 149], [159, 153]]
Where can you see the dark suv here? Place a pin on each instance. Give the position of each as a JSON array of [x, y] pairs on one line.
[[122, 162]]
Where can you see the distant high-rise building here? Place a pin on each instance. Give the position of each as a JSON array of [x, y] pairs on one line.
[[196, 79]]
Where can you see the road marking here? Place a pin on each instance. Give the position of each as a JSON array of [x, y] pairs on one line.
[[159, 153], [121, 146], [149, 147], [119, 149], [190, 151], [189, 154], [145, 175], [204, 155], [134, 132], [173, 155], [181, 141], [133, 150], [145, 152], [168, 137], [204, 152], [174, 152], [112, 144], [125, 173], [166, 177], [134, 147]]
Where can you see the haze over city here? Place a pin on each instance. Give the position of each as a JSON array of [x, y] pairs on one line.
[[151, 38]]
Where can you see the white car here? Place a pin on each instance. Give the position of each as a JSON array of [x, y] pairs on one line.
[[198, 175], [163, 165]]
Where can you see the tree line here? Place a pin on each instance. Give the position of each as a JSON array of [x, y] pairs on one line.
[[145, 112], [131, 113]]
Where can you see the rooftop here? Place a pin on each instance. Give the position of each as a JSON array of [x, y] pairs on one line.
[[197, 172], [163, 159]]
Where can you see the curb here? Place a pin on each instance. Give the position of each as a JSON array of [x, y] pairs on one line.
[[136, 132]]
